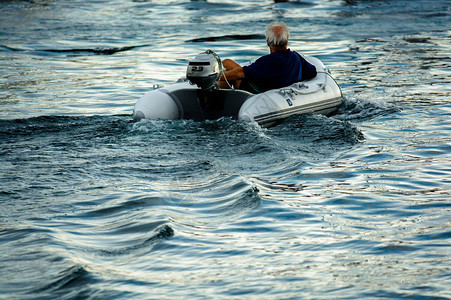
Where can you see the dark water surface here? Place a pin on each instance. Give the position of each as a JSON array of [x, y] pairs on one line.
[[96, 206]]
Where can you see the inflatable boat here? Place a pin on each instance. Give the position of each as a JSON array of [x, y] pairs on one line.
[[198, 97]]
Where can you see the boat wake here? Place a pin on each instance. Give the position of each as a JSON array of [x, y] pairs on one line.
[[359, 109]]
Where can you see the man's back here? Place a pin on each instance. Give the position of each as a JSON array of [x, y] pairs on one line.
[[278, 69]]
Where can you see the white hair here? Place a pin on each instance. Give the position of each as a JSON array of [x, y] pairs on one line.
[[277, 37]]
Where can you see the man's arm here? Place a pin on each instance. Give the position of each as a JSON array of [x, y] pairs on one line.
[[234, 74]]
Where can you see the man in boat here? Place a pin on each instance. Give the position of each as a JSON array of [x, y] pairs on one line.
[[282, 67]]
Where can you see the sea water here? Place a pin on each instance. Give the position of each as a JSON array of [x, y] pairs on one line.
[[94, 205]]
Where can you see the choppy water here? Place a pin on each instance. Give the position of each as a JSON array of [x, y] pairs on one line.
[[94, 205]]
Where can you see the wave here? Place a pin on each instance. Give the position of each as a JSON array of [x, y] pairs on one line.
[[77, 51], [98, 50], [74, 276], [164, 232], [230, 37], [295, 2], [62, 129]]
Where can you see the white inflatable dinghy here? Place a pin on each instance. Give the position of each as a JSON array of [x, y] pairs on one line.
[[197, 97]]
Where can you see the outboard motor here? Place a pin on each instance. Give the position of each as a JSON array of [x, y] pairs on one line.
[[204, 70]]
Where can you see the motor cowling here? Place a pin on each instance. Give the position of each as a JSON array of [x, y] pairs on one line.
[[204, 70]]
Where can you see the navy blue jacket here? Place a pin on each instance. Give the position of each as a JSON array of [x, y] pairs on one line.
[[278, 69]]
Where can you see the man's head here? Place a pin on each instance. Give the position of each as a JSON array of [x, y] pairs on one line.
[[277, 34]]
